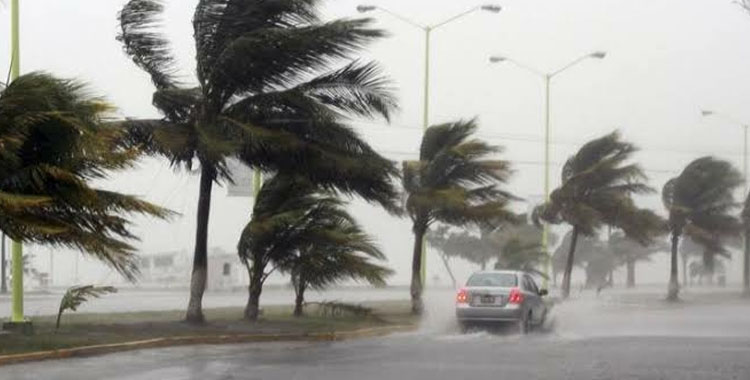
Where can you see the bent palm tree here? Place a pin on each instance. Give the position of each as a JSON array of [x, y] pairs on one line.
[[453, 183], [337, 249], [54, 141], [296, 229], [597, 190], [265, 94], [700, 201]]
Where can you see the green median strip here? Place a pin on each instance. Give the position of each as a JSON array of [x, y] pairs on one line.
[[91, 334]]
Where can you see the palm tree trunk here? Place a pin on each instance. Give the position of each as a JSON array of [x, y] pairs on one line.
[[417, 305], [630, 267], [746, 266], [708, 264], [685, 277], [569, 264], [300, 298], [554, 276], [674, 285], [252, 309], [200, 256]]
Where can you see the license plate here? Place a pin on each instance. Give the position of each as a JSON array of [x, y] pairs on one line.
[[488, 299]]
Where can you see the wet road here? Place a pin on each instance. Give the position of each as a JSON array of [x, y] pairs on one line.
[[473, 356], [627, 336]]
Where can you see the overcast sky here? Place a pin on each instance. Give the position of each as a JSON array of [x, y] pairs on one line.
[[666, 60]]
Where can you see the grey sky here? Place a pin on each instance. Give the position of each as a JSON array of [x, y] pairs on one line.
[[667, 59]]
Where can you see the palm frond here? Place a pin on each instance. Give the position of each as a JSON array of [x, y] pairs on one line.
[[149, 49], [75, 296]]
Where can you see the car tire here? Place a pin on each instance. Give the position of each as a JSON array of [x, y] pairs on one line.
[[464, 327], [524, 324]]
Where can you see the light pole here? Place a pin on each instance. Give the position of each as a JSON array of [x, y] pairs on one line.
[[428, 29], [17, 321], [709, 113], [547, 78]]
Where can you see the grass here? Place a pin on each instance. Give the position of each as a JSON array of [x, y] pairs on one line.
[[87, 329]]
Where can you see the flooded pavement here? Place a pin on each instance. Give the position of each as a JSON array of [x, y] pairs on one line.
[[625, 335]]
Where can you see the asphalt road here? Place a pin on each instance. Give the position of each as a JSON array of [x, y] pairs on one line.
[[473, 356], [626, 337]]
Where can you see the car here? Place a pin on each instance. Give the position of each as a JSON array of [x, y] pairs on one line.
[[501, 296]]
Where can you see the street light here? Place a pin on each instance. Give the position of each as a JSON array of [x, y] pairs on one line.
[[547, 77], [709, 113], [428, 29]]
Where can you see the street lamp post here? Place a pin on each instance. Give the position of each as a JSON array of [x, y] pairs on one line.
[[547, 78], [428, 29], [17, 321], [709, 113]]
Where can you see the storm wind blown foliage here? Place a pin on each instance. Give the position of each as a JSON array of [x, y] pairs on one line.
[[299, 230], [701, 204], [598, 184], [273, 85], [55, 140], [454, 182]]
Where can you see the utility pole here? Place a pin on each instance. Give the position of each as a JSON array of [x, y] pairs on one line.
[[17, 248], [3, 279], [17, 321], [547, 78], [428, 29]]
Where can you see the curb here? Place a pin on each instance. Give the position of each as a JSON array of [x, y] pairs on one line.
[[103, 349]]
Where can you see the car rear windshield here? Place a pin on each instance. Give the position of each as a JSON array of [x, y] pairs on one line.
[[503, 280]]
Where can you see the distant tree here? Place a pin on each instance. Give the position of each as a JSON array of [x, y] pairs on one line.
[[519, 246], [470, 245], [630, 252], [597, 189], [511, 246], [454, 182], [267, 93], [700, 203], [592, 255]]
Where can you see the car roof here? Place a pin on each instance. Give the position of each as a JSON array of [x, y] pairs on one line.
[[516, 272]]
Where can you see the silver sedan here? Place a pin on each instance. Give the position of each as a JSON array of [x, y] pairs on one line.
[[501, 296]]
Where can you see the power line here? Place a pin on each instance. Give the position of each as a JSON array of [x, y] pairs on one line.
[[540, 139], [413, 156]]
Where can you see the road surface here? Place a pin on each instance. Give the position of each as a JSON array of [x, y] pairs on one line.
[[623, 336]]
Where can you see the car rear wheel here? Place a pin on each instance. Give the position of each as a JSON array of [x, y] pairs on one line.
[[524, 324], [464, 327]]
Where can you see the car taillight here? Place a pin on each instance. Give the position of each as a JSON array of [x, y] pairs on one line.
[[462, 296], [515, 296]]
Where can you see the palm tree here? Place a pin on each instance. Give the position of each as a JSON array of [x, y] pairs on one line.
[[454, 182], [597, 190], [265, 94], [471, 246], [700, 201], [338, 249], [299, 230], [54, 142]]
